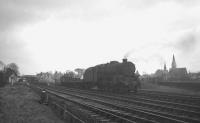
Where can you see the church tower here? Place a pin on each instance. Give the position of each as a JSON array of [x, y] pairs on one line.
[[173, 62]]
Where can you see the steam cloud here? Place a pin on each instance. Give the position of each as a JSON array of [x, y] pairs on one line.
[[128, 54]]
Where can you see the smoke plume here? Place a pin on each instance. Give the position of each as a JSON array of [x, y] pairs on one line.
[[128, 53]]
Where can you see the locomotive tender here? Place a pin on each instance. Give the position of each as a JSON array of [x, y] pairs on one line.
[[113, 76]]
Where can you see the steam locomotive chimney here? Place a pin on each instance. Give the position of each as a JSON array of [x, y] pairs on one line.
[[124, 60]]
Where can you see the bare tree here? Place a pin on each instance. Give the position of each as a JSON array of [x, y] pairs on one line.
[[13, 67]]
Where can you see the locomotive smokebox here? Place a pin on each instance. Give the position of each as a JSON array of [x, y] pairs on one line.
[[124, 60]]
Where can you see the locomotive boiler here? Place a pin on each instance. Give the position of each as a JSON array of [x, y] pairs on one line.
[[113, 76]]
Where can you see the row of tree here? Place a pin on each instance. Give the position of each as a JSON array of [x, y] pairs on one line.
[[6, 71]]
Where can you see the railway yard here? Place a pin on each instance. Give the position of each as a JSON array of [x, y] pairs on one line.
[[75, 105], [108, 93], [99, 61]]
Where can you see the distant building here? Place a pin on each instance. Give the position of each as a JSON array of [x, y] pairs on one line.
[[194, 76], [177, 73], [162, 74], [174, 73], [173, 63], [28, 78]]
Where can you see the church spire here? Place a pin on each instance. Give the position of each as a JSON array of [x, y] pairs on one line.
[[165, 68], [173, 62]]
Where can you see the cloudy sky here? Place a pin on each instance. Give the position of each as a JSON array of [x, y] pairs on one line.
[[44, 35]]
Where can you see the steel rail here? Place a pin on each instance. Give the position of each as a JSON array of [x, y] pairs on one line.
[[190, 96], [180, 117], [170, 105], [91, 107], [152, 115]]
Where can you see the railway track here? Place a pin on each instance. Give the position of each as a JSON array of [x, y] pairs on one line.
[[193, 105], [141, 109], [167, 96], [158, 97], [192, 96], [100, 112], [163, 110]]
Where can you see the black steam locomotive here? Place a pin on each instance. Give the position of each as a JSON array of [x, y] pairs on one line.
[[112, 77]]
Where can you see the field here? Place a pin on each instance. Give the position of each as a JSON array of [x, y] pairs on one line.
[[18, 104]]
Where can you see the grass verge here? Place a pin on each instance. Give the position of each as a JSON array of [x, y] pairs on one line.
[[19, 104]]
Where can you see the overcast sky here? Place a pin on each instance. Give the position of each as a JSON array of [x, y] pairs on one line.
[[44, 35]]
